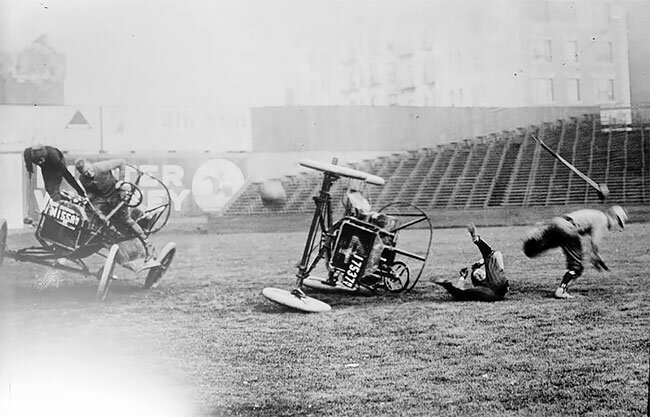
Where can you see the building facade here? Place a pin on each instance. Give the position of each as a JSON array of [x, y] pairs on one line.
[[35, 75], [504, 53]]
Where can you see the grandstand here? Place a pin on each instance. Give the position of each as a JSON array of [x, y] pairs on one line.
[[505, 169]]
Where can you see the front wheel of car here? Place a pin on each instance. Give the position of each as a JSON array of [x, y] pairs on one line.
[[165, 258], [107, 273]]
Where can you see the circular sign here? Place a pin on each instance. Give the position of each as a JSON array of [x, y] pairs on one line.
[[215, 182]]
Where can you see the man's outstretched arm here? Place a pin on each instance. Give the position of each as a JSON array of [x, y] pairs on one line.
[[595, 237], [73, 182], [111, 164]]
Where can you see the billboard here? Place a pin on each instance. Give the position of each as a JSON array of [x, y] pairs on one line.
[[216, 129], [198, 184]]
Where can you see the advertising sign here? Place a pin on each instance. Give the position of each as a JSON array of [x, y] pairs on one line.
[[198, 183]]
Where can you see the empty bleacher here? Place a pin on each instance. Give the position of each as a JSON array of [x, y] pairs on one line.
[[504, 169]]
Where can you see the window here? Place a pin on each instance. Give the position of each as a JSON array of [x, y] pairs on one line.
[[573, 90], [571, 48], [406, 79], [312, 90], [605, 52], [428, 72], [361, 77], [479, 95], [352, 79], [373, 47], [391, 74], [605, 90], [432, 97], [374, 77], [543, 91], [325, 85], [542, 50]]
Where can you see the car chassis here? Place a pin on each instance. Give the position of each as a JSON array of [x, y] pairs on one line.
[[72, 229], [360, 250]]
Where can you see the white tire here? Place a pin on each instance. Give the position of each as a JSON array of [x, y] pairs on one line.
[[107, 273]]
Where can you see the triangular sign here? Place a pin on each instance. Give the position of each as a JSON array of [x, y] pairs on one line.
[[78, 120]]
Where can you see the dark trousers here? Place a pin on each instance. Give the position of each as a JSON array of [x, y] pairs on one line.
[[472, 294], [494, 287], [558, 232]]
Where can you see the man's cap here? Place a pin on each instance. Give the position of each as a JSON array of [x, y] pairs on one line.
[[80, 164], [619, 214], [37, 152]]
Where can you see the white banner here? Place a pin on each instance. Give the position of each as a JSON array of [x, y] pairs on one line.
[[177, 129], [123, 129], [66, 127]]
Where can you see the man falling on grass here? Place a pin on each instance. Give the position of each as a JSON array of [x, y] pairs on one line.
[[567, 231], [488, 283]]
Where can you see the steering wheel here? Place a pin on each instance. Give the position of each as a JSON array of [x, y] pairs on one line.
[[130, 194]]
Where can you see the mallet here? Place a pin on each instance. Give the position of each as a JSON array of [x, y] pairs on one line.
[[601, 189]]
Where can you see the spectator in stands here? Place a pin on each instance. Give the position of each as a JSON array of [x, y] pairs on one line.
[[488, 277], [566, 232], [53, 169]]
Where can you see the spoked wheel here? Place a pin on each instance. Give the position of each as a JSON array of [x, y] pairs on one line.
[[107, 274], [400, 278], [166, 257], [3, 239], [409, 216]]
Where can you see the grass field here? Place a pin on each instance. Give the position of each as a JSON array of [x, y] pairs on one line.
[[206, 342]]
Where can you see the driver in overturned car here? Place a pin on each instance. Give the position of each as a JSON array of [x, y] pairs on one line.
[[104, 192]]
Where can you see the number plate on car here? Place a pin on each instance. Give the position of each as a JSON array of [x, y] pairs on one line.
[[63, 215]]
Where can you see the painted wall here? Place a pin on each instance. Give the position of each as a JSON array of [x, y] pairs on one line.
[[119, 129], [198, 183], [11, 192]]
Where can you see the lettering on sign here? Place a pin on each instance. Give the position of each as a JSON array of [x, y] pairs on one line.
[[353, 271], [171, 175], [212, 185]]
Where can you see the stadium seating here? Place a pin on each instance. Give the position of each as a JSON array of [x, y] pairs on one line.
[[504, 169]]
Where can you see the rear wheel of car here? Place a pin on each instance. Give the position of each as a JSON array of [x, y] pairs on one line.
[[107, 273], [165, 258]]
